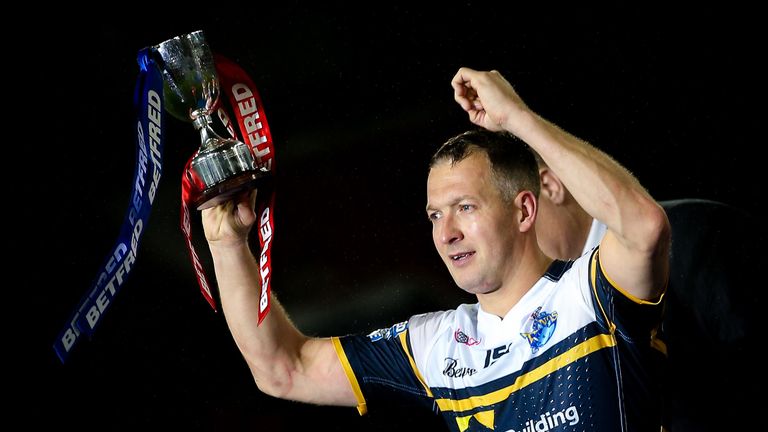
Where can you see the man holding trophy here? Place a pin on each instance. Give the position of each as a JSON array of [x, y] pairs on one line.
[[550, 345]]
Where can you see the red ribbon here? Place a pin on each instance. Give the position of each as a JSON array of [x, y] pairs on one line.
[[244, 101]]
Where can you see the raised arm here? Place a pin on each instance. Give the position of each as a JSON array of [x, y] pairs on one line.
[[284, 362], [635, 250]]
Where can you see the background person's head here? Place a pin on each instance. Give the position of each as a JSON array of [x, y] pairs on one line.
[[562, 225]]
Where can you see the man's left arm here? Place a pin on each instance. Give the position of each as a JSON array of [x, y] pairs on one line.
[[634, 253]]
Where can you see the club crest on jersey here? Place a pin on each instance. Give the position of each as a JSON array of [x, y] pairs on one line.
[[464, 338], [540, 328], [389, 332]]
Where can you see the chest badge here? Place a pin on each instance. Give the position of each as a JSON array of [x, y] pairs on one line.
[[538, 329]]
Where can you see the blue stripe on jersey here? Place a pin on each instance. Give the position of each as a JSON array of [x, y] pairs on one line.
[[556, 270]]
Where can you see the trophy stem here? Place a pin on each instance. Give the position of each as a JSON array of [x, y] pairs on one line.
[[200, 119], [208, 138], [224, 166]]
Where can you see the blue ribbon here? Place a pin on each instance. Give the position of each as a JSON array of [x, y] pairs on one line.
[[148, 103]]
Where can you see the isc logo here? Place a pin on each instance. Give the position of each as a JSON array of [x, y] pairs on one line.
[[492, 355]]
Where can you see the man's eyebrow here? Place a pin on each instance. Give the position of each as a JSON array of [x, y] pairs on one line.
[[452, 203]]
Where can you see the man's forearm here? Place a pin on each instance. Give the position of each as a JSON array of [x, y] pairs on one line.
[[270, 349], [605, 189], [635, 250]]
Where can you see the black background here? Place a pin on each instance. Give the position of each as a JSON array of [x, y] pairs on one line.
[[357, 100]]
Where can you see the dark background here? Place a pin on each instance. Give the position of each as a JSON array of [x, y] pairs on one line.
[[357, 100]]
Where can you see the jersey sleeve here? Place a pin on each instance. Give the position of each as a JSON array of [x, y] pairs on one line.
[[380, 367], [633, 318]]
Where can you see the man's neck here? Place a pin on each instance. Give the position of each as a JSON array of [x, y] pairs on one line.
[[516, 284]]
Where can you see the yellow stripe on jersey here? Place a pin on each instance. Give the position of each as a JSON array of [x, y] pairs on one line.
[[593, 278], [657, 343], [485, 418], [581, 350], [362, 407], [627, 294], [404, 343]]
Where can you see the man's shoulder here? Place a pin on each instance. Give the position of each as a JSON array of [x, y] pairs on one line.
[[687, 211], [710, 228], [716, 253], [700, 207], [447, 317]]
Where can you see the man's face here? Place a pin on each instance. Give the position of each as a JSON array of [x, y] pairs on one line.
[[472, 227]]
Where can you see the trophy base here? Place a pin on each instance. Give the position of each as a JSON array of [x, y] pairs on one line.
[[230, 187]]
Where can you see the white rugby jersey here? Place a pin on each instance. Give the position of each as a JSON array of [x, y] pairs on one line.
[[576, 353]]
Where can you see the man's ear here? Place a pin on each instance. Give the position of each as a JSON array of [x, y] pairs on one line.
[[551, 186], [528, 207]]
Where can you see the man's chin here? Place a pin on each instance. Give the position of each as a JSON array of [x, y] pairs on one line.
[[471, 288], [475, 288]]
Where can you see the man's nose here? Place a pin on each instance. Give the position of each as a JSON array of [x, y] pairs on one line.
[[449, 231]]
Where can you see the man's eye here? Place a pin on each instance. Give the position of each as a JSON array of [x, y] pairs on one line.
[[466, 207], [434, 216]]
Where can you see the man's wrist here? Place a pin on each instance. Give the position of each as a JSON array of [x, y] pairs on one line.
[[229, 247]]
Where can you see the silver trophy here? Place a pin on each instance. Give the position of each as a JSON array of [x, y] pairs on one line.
[[221, 167]]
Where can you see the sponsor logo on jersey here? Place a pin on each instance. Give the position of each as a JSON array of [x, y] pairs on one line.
[[539, 328], [463, 338], [452, 369], [389, 332], [551, 421]]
